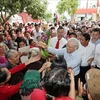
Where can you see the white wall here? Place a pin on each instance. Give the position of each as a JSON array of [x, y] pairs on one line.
[[78, 16]]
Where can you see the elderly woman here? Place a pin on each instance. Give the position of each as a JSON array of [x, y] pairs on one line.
[[8, 90], [12, 57], [13, 60]]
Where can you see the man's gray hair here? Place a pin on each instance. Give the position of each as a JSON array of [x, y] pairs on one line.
[[9, 53], [74, 41]]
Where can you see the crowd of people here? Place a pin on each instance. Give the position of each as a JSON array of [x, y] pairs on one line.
[[63, 61]]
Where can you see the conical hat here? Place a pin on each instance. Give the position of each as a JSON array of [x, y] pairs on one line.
[[93, 82]]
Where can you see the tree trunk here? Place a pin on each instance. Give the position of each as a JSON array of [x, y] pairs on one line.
[[72, 19], [5, 19]]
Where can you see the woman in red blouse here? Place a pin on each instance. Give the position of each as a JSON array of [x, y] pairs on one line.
[[7, 90]]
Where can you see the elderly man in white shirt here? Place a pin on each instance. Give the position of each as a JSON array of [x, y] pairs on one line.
[[87, 51], [59, 41], [71, 55], [96, 61]]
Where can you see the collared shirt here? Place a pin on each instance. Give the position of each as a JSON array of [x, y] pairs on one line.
[[86, 53], [54, 40], [96, 42], [37, 33], [73, 60], [97, 57]]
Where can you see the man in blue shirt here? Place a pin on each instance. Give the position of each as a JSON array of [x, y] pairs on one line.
[[70, 53]]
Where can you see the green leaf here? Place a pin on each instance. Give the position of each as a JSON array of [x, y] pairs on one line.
[[67, 5], [34, 7]]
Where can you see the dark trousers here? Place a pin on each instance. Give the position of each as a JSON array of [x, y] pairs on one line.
[[76, 81], [83, 70], [97, 67], [15, 97]]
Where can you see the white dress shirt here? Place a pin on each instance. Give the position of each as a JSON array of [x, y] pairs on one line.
[[54, 40], [86, 53], [37, 33], [73, 60], [97, 57]]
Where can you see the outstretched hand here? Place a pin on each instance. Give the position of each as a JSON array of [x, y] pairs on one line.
[[72, 84], [71, 74], [90, 61], [45, 66], [33, 59], [80, 88], [36, 58], [42, 45]]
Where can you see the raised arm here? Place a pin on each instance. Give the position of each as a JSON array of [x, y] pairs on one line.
[[22, 66], [13, 89], [72, 85], [50, 49]]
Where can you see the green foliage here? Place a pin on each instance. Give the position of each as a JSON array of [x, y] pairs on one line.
[[48, 16], [34, 7], [67, 5], [44, 53], [37, 8], [90, 19], [62, 17], [10, 6]]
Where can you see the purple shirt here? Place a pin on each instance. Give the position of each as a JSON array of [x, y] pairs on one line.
[[3, 61]]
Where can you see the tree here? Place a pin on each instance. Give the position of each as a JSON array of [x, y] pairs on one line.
[[10, 7], [37, 8], [67, 5], [62, 17], [48, 16]]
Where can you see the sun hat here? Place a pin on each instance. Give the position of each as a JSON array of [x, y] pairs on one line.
[[93, 83]]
